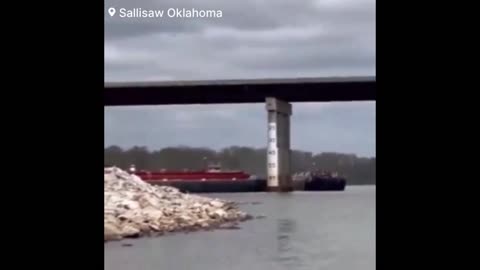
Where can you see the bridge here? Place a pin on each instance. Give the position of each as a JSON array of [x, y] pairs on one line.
[[276, 93], [239, 91]]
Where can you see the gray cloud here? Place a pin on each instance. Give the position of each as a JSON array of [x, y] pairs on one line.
[[247, 14], [253, 39], [342, 127]]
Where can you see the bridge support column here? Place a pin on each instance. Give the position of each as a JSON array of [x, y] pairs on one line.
[[279, 177]]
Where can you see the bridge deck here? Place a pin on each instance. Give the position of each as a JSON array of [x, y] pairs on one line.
[[240, 91]]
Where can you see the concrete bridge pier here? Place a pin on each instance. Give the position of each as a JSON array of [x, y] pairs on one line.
[[279, 176]]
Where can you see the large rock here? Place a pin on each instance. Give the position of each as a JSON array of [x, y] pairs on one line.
[[130, 230], [111, 232], [217, 204], [134, 208]]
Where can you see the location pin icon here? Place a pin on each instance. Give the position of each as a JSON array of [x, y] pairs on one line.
[[111, 11]]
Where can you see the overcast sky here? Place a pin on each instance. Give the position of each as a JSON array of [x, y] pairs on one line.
[[252, 39]]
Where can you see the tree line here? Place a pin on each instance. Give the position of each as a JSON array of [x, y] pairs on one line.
[[357, 170]]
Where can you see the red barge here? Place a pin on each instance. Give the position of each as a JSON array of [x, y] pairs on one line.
[[214, 180], [204, 181]]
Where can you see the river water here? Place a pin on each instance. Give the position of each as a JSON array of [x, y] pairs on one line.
[[301, 230]]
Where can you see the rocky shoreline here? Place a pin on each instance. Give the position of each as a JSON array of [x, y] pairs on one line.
[[134, 208]]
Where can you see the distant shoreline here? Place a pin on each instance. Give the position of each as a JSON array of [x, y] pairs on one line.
[[356, 170]]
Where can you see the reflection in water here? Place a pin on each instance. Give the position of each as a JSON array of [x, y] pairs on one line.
[[286, 253]]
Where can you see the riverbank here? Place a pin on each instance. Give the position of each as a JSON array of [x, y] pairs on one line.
[[134, 208], [304, 230]]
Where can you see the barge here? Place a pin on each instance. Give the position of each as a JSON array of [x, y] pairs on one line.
[[214, 180]]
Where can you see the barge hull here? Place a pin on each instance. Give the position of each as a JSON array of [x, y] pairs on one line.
[[322, 184], [257, 185], [216, 186]]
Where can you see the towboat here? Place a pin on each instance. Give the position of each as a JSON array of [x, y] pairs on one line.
[[320, 181]]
